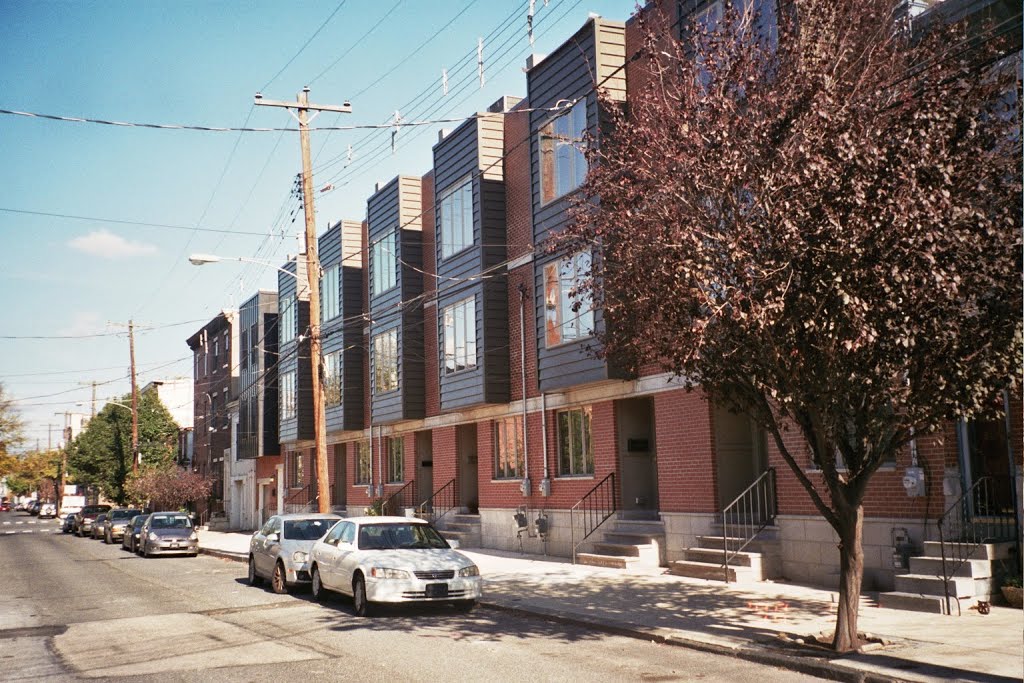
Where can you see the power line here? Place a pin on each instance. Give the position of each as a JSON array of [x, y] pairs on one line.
[[304, 45], [147, 328], [146, 224]]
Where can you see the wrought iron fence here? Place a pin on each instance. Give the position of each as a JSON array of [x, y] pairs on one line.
[[593, 510], [747, 514], [440, 503]]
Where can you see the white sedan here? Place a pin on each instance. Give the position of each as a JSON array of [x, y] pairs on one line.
[[392, 559]]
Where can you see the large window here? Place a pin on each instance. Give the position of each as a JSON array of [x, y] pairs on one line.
[[329, 306], [288, 397], [385, 361], [295, 469], [364, 466], [568, 310], [383, 259], [575, 449], [508, 448], [459, 335], [457, 219], [289, 318], [243, 349], [563, 165], [396, 460], [332, 379], [254, 345]]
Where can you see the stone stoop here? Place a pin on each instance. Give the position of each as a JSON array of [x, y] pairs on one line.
[[759, 561], [464, 528], [921, 589], [629, 543]]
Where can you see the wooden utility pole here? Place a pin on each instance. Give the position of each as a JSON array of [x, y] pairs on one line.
[[135, 399], [93, 383], [313, 274]]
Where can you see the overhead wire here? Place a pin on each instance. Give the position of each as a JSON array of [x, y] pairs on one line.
[[304, 45]]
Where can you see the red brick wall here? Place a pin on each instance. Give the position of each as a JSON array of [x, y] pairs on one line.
[[430, 360], [356, 495], [445, 456], [684, 439]]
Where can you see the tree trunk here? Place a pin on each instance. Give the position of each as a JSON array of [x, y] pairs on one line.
[[851, 572]]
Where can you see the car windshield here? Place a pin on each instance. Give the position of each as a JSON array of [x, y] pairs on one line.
[[122, 514], [307, 529], [139, 520], [399, 536], [94, 509], [170, 522]]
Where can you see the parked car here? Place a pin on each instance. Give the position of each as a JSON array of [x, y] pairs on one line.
[[167, 533], [130, 538], [68, 525], [33, 507], [97, 527], [5, 506], [280, 550], [392, 560], [47, 510], [114, 525], [68, 511], [86, 517]]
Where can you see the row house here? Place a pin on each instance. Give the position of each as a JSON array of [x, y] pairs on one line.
[[462, 385]]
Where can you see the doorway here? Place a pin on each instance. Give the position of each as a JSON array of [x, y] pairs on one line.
[[424, 466], [339, 490], [740, 452], [637, 454], [465, 448]]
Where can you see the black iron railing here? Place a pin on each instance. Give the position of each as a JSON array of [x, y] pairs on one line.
[[305, 497], [745, 517], [440, 503], [405, 497], [983, 514], [592, 510]]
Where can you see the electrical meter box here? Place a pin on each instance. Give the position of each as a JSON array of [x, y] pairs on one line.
[[913, 482]]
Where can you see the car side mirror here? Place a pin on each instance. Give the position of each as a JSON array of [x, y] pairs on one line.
[[273, 537], [454, 544]]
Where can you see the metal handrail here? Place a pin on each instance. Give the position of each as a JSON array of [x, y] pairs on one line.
[[595, 507], [441, 499], [751, 511], [977, 517], [398, 498], [304, 496]]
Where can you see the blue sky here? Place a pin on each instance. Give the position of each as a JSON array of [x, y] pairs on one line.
[[199, 63]]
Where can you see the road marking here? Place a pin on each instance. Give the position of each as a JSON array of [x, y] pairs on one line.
[[10, 533]]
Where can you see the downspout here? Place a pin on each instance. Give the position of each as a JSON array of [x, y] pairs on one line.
[[522, 365], [380, 461], [544, 430]]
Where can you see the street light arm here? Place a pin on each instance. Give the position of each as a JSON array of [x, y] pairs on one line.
[[203, 259]]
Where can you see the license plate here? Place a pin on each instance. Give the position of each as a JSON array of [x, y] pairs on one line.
[[174, 545], [437, 590]]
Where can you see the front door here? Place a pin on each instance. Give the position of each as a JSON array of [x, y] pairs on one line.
[[740, 450], [340, 487], [465, 445], [424, 466], [635, 418]]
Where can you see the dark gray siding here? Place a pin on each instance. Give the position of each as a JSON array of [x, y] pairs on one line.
[[258, 417], [340, 246], [294, 356], [595, 51]]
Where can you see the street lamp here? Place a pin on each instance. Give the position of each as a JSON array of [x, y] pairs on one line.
[[315, 356]]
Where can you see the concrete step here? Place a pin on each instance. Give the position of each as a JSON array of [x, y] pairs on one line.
[[617, 549], [638, 526], [463, 518], [610, 561], [639, 514], [703, 570], [633, 538], [756, 545], [913, 602], [984, 551], [959, 586], [932, 566], [462, 527], [713, 556]]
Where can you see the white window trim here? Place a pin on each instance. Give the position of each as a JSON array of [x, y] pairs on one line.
[[448, 194], [540, 163], [469, 324]]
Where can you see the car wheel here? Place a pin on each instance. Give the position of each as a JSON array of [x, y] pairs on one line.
[[464, 605], [319, 592], [253, 579], [359, 600], [278, 582]]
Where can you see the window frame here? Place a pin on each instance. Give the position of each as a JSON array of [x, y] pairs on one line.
[[330, 297], [502, 440], [466, 211], [379, 277], [548, 133], [296, 471], [364, 464], [377, 387], [288, 397], [450, 336], [558, 296], [586, 438], [288, 325], [333, 391], [395, 459]]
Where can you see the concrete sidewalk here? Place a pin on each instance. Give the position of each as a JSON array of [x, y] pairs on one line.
[[745, 620]]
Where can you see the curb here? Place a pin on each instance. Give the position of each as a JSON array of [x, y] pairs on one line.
[[224, 554]]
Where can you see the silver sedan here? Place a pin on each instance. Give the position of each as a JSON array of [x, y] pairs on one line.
[[280, 550]]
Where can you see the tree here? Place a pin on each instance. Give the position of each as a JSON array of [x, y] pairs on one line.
[[31, 470], [167, 487], [11, 432], [820, 226], [101, 455]]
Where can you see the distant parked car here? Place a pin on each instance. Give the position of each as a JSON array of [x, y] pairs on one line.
[[168, 533], [114, 525], [5, 506], [47, 510], [68, 511], [97, 528], [68, 525], [280, 550], [130, 539], [33, 507], [392, 559], [86, 517]]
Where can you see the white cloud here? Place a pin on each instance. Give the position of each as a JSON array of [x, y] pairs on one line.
[[106, 244], [84, 322]]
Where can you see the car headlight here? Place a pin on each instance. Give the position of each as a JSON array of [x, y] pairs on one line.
[[387, 573], [194, 537], [299, 556], [471, 570], [153, 537]]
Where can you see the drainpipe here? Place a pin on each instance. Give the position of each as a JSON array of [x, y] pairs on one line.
[[544, 431], [380, 461], [525, 486]]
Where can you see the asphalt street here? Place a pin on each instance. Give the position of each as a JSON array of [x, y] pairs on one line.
[[77, 609]]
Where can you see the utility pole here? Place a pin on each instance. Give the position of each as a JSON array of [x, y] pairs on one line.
[[93, 384], [64, 458], [135, 399], [313, 274]]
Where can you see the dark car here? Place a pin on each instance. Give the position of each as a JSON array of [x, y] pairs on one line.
[[86, 517], [130, 541], [5, 506], [113, 526], [33, 507], [168, 533], [68, 525], [97, 527]]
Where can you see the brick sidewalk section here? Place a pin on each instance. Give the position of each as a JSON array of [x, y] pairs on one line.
[[743, 620]]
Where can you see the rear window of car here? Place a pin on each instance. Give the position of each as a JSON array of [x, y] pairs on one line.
[[123, 514], [170, 522], [307, 529], [399, 536], [139, 520], [94, 509]]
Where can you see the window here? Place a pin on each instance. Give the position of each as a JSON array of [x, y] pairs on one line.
[[289, 319], [575, 450], [563, 165], [383, 257], [243, 349], [332, 379], [385, 361], [508, 448], [227, 342], [329, 306], [216, 352], [254, 345], [396, 460], [568, 311], [363, 463], [295, 473], [457, 219], [460, 336], [288, 398]]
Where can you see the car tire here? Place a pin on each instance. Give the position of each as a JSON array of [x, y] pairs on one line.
[[317, 587], [279, 581], [359, 601], [253, 579]]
